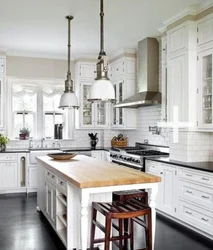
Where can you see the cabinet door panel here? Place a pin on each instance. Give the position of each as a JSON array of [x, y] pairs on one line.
[[205, 31], [32, 177], [205, 89], [87, 71], [9, 175], [176, 40], [2, 102], [177, 90], [168, 189]]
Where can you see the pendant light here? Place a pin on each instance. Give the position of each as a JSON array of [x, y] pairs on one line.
[[68, 99], [102, 89]]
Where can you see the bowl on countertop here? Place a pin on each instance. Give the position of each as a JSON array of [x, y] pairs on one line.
[[62, 156]]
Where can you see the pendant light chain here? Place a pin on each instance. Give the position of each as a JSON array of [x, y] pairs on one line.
[[69, 82], [102, 52]]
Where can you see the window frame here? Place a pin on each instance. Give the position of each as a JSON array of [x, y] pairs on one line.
[[39, 116]]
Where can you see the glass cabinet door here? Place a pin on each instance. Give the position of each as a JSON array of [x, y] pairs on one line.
[[1, 102], [206, 89], [117, 119], [86, 106], [100, 112], [120, 98]]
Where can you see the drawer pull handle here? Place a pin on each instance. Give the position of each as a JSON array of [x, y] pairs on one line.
[[53, 176], [204, 219], [189, 192], [61, 183], [161, 172], [48, 173], [205, 197], [49, 192], [205, 179], [189, 175], [188, 213]]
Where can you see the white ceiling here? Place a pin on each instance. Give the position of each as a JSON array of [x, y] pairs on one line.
[[38, 27]]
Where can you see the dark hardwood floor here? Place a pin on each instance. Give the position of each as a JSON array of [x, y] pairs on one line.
[[23, 228]]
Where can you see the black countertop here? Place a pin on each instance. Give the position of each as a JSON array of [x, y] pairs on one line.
[[66, 149], [203, 166]]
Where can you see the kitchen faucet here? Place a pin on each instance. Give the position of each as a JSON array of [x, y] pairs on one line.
[[57, 143], [30, 143], [42, 142]]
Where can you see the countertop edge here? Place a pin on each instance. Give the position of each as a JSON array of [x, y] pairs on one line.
[[179, 164]]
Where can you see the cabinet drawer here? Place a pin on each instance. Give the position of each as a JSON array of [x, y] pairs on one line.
[[197, 176], [51, 177], [62, 184], [200, 195], [197, 217], [8, 157], [153, 167], [117, 69]]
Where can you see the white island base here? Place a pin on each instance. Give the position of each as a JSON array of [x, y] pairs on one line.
[[67, 206]]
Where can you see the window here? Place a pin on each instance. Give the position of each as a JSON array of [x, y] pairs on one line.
[[34, 104], [24, 107]]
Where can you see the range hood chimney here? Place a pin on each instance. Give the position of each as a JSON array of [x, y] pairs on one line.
[[147, 78]]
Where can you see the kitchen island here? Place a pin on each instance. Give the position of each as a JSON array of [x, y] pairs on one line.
[[66, 190]]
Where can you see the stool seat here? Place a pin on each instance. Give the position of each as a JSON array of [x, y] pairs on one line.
[[127, 210]]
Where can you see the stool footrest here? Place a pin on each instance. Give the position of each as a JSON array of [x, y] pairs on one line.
[[113, 238]]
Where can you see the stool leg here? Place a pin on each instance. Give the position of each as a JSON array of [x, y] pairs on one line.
[[131, 235], [92, 236], [149, 242], [126, 225], [120, 233], [107, 233]]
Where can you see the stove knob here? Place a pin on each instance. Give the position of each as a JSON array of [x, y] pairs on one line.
[[137, 161], [111, 155], [129, 159], [121, 156]]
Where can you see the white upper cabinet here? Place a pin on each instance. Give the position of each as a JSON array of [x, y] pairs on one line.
[[205, 30], [89, 115], [123, 77], [2, 98], [177, 39], [163, 71], [181, 74], [86, 70], [205, 114], [2, 65]]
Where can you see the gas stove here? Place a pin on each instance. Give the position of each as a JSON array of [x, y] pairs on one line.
[[134, 156]]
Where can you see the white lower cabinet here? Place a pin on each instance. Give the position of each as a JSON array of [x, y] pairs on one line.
[[185, 195], [8, 175], [32, 177], [50, 207], [166, 193], [52, 201], [99, 155]]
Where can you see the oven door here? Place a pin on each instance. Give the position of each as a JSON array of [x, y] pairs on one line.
[[129, 165]]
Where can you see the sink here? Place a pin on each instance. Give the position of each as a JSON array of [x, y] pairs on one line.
[[37, 152]]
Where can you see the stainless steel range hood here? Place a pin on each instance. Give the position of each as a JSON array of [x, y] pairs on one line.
[[147, 78]]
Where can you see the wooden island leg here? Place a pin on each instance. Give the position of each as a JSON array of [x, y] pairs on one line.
[[152, 203], [84, 218]]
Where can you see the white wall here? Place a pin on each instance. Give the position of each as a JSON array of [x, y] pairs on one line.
[[148, 116]]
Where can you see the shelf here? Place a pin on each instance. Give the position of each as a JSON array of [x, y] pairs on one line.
[[210, 108], [207, 79], [207, 94], [62, 233], [60, 198], [62, 219]]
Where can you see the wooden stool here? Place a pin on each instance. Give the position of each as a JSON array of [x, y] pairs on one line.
[[127, 195], [131, 210], [130, 194]]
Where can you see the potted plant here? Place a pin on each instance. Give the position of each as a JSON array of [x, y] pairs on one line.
[[24, 133], [3, 141]]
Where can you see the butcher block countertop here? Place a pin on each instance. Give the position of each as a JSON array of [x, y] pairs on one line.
[[87, 172]]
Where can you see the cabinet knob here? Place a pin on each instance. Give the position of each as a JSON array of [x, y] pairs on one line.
[[61, 183], [161, 173]]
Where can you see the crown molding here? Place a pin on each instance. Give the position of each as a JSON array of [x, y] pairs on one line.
[[121, 52], [193, 10]]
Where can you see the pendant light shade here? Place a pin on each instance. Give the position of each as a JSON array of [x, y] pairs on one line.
[[102, 89], [68, 98]]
